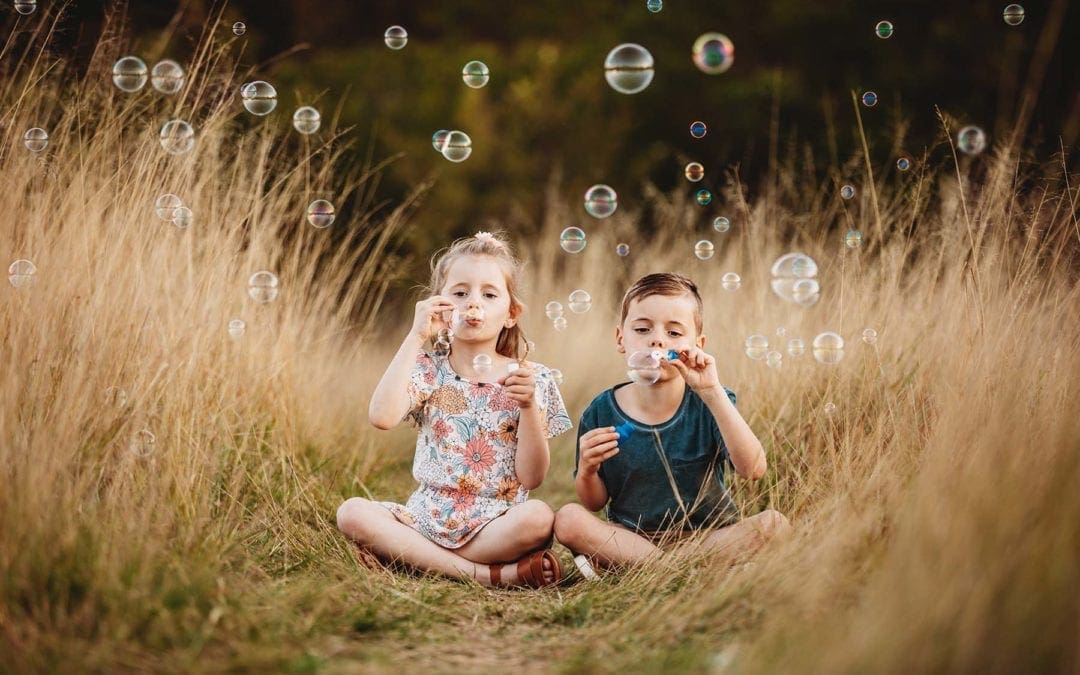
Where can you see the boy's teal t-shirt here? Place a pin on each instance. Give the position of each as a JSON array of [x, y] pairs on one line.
[[639, 487]]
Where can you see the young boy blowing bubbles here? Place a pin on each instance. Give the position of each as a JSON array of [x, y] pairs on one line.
[[652, 498]]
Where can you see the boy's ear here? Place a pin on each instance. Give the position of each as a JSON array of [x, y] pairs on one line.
[[619, 341]]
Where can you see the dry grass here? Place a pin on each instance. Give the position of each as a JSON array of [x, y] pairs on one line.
[[935, 511]]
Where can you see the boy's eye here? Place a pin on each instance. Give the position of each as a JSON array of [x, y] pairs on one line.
[[674, 333], [460, 294], [641, 330]]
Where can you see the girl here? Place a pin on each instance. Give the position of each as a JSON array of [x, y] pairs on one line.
[[485, 414]]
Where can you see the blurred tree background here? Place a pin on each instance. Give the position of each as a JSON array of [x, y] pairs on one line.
[[548, 119]]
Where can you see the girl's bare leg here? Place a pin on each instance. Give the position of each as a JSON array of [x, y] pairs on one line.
[[607, 544], [523, 528]]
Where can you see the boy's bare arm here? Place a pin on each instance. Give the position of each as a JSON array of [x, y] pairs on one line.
[[743, 446], [590, 490]]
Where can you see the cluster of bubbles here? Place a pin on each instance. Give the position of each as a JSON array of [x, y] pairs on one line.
[[628, 68], [171, 209], [130, 75], [320, 213], [21, 273], [263, 287], [579, 302], [259, 97], [454, 145], [827, 347], [794, 279], [396, 37], [572, 240], [475, 74]]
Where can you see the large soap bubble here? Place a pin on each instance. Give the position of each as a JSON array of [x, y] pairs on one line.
[[643, 367], [601, 201], [396, 37], [130, 74], [306, 120], [475, 74], [21, 273], [457, 147], [260, 97], [572, 240], [828, 348], [628, 68], [793, 279], [177, 137], [713, 53], [167, 76], [36, 139], [263, 287]]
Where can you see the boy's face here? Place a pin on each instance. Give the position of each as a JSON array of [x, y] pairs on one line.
[[478, 281], [659, 322]]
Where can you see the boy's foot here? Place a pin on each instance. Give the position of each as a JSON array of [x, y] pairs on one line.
[[585, 567], [535, 570]]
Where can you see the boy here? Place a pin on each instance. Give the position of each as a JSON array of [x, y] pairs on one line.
[[699, 430]]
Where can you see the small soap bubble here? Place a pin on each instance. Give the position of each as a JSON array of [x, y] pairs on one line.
[[698, 129], [580, 301], [971, 140], [438, 139], [25, 6], [116, 397], [601, 201], [1013, 15], [869, 336], [442, 348], [796, 347], [654, 6], [457, 147], [559, 323], [757, 346], [643, 367], [475, 74], [622, 250], [713, 53], [166, 205], [177, 137], [445, 335], [557, 376], [774, 359], [703, 197], [828, 348], [853, 239], [704, 249], [694, 172], [239, 28], [182, 217], [730, 281], [553, 310], [167, 76], [130, 74], [260, 97], [396, 37], [306, 120], [263, 287], [481, 364], [869, 99], [36, 139], [884, 29], [806, 292], [847, 192], [829, 408], [628, 68], [320, 213], [793, 278], [781, 331], [237, 328], [572, 240], [903, 164], [21, 273], [721, 224], [143, 443]]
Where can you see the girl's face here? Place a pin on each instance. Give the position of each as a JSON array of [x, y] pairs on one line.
[[477, 282]]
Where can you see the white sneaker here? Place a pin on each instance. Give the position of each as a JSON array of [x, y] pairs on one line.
[[584, 567]]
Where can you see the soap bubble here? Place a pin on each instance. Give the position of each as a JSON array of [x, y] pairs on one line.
[[559, 323], [781, 331], [177, 137], [182, 217], [694, 172], [572, 240], [263, 287], [167, 76], [557, 376], [643, 367], [36, 139], [869, 99], [25, 6], [260, 97], [166, 205], [884, 29], [713, 53], [796, 347], [721, 224], [703, 197], [654, 6], [793, 279], [438, 139], [601, 201], [847, 192], [971, 140], [704, 249], [757, 346], [853, 239], [698, 129], [553, 309], [306, 120], [829, 408], [903, 164], [580, 301], [130, 74], [457, 147], [115, 396], [21, 273], [396, 37], [237, 328], [828, 348], [481, 363], [628, 68], [320, 213], [239, 28], [475, 74], [774, 359], [869, 336], [806, 292], [143, 442], [1013, 15], [622, 250], [730, 281]]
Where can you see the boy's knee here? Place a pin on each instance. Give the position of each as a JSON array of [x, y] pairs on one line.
[[350, 515], [775, 524], [539, 521], [569, 522]]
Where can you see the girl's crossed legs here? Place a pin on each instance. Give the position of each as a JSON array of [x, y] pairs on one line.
[[523, 528]]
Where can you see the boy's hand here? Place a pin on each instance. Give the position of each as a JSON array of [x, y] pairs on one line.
[[596, 446], [428, 316], [521, 386], [697, 368]]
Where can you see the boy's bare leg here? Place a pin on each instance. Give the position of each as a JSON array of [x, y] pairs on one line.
[[606, 544], [741, 540]]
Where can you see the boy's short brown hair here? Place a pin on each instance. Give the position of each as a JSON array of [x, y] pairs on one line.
[[662, 283]]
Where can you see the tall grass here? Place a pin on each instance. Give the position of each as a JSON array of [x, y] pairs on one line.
[[935, 510]]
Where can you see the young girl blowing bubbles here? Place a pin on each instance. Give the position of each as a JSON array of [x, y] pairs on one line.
[[485, 414]]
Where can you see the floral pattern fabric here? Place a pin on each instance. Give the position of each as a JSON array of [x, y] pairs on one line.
[[465, 449]]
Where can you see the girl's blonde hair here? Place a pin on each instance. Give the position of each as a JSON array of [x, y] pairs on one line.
[[511, 342]]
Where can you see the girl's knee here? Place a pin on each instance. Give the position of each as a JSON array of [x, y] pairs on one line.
[[539, 521]]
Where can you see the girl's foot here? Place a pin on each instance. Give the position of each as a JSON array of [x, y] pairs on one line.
[[535, 570]]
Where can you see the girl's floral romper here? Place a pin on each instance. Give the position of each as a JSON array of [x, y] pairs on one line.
[[465, 449]]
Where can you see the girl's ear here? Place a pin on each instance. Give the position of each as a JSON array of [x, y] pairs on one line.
[[515, 314]]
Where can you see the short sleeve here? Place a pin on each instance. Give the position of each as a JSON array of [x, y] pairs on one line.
[[549, 398], [421, 383], [725, 457], [588, 423]]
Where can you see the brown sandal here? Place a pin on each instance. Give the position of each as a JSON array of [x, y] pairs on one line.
[[530, 570]]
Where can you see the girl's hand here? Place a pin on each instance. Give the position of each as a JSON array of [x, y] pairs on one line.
[[428, 317], [520, 386], [697, 368], [597, 445]]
